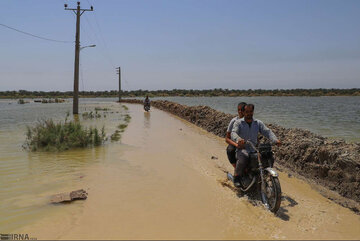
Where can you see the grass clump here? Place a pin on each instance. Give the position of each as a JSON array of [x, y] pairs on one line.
[[101, 109], [91, 115], [22, 101], [127, 118], [116, 136], [47, 135], [125, 107], [47, 101], [122, 127]]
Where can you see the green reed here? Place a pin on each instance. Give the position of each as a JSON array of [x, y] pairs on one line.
[[47, 135]]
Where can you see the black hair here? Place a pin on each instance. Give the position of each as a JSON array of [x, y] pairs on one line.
[[243, 105], [250, 105]]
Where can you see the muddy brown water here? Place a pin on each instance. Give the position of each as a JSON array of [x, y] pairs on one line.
[[161, 183]]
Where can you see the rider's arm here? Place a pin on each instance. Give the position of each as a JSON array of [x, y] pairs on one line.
[[235, 132], [228, 133], [229, 141], [264, 130]]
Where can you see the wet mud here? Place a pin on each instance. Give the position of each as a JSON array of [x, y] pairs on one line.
[[331, 166]]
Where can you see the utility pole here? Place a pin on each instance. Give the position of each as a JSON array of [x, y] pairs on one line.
[[119, 73], [78, 11]]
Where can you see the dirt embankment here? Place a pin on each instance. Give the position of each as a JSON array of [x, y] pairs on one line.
[[333, 164]]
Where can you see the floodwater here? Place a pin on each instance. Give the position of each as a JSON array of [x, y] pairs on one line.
[[27, 179], [158, 182]]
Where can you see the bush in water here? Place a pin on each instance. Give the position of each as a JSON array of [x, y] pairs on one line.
[[49, 136]]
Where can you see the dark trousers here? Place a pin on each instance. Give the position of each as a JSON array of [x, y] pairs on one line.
[[242, 157], [231, 153]]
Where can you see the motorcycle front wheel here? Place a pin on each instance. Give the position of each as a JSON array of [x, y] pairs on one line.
[[272, 192]]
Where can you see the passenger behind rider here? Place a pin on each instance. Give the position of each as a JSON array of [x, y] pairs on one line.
[[243, 130], [231, 149]]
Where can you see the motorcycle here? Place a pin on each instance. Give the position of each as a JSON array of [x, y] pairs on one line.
[[260, 171], [146, 107]]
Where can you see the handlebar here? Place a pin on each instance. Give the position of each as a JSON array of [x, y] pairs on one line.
[[251, 144]]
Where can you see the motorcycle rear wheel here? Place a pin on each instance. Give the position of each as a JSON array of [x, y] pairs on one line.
[[273, 192]]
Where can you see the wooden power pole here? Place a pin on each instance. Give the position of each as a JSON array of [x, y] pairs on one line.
[[78, 11], [119, 73]]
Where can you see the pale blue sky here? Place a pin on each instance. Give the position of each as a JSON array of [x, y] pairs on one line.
[[188, 44]]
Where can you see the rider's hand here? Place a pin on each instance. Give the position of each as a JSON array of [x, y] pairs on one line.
[[241, 143], [278, 143]]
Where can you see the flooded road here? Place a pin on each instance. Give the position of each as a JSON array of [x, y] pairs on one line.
[[160, 182]]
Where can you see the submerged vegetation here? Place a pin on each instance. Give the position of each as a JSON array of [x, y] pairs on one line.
[[47, 135], [121, 127], [115, 136], [183, 92], [101, 109], [95, 114], [21, 102], [49, 101], [127, 118], [91, 115]]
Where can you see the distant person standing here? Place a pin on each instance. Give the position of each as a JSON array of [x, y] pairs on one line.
[[231, 149], [147, 103]]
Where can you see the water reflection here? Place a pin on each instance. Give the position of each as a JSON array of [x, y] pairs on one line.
[[147, 119], [64, 163]]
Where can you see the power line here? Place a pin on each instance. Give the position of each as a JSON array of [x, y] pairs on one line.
[[33, 35], [102, 46], [87, 34], [100, 49], [105, 50], [102, 36], [91, 30]]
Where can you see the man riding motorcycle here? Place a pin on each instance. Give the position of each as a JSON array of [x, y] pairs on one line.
[[147, 102], [246, 129]]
